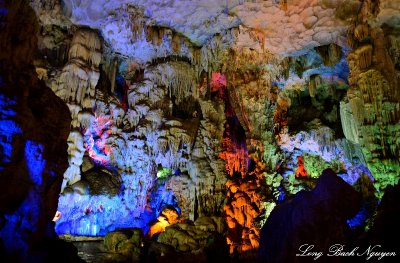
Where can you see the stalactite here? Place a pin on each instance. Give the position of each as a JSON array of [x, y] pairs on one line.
[[110, 67], [350, 125], [331, 54], [179, 77], [394, 49], [162, 144], [137, 21], [132, 117], [364, 56], [361, 32], [314, 82], [357, 104], [76, 151], [176, 43], [79, 77]]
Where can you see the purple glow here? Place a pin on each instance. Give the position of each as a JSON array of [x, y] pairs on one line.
[[96, 139]]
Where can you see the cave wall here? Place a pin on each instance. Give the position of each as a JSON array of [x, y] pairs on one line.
[[149, 109], [216, 116], [140, 124], [34, 126], [370, 112]]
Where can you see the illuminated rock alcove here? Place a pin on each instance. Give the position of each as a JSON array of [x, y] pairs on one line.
[[158, 131]]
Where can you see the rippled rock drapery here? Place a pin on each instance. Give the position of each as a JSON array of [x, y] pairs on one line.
[[371, 111], [34, 123]]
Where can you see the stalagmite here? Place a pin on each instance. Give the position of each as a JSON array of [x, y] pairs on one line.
[[349, 123]]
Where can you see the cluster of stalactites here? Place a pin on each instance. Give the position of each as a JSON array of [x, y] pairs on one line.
[[167, 140], [236, 159], [178, 77], [242, 209], [206, 57], [76, 86], [79, 77]]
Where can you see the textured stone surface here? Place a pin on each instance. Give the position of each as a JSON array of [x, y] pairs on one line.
[[35, 124], [262, 21], [370, 113], [186, 237], [208, 108], [158, 117], [301, 220]]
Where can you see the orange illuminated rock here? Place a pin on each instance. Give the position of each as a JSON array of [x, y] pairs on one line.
[[159, 226], [301, 171], [57, 216], [244, 201], [168, 216]]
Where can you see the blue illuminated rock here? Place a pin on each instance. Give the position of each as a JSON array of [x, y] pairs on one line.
[[34, 123]]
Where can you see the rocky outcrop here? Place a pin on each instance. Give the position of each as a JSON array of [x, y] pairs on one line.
[[185, 237], [301, 220], [169, 216], [35, 125], [201, 241], [124, 245], [385, 227]]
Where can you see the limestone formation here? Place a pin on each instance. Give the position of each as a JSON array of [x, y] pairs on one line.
[[372, 107], [190, 121]]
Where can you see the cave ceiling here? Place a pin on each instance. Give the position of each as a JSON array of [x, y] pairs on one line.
[[283, 27]]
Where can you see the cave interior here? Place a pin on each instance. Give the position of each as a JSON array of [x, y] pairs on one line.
[[205, 131]]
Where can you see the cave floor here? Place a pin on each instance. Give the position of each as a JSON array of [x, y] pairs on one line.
[[90, 252]]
